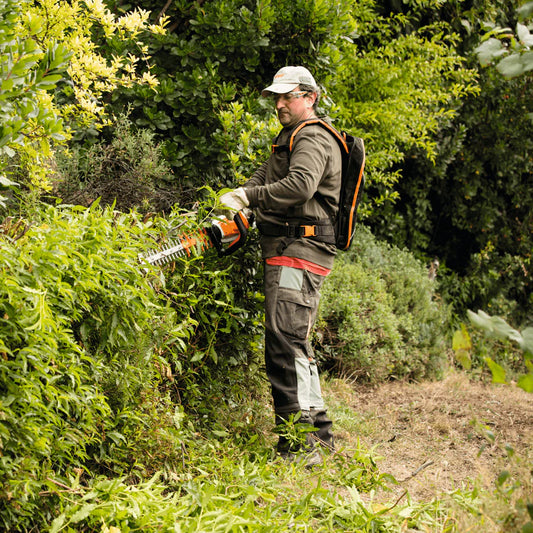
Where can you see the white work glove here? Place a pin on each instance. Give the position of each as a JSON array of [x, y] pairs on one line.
[[235, 200]]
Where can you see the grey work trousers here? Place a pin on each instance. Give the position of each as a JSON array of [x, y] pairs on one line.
[[291, 303]]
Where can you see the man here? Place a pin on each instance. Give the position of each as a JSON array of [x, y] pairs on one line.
[[295, 194]]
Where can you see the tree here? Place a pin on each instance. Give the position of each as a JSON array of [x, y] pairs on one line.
[[472, 208], [468, 205], [215, 54], [397, 94], [222, 52]]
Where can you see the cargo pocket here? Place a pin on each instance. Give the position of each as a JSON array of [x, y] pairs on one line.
[[293, 314]]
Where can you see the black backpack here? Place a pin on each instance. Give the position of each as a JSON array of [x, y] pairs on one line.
[[352, 183]]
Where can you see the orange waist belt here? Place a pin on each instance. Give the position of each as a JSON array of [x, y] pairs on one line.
[[296, 262]]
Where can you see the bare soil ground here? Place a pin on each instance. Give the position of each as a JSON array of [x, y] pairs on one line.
[[434, 437]]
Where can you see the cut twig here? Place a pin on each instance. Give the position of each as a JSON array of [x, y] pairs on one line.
[[396, 503], [383, 511], [59, 484], [418, 470]]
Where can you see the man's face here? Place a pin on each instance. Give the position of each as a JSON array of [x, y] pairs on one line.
[[294, 106]]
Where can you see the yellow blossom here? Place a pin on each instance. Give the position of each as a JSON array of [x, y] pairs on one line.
[[73, 24], [133, 22], [150, 79]]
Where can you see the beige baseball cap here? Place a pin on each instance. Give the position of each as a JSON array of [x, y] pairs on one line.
[[288, 78]]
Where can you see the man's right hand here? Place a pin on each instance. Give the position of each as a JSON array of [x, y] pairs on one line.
[[235, 200]]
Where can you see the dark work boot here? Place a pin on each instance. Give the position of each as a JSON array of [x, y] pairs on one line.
[[294, 444], [324, 433]]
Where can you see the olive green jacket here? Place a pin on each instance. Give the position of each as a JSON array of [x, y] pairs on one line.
[[284, 189]]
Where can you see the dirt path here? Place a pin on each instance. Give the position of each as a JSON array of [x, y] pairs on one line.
[[437, 436]]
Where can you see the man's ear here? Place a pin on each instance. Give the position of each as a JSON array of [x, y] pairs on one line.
[[313, 97]]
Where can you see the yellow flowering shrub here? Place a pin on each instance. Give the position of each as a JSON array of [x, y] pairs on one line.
[[91, 71], [77, 51]]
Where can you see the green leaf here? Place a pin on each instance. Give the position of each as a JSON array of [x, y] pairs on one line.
[[489, 50], [461, 345], [526, 382], [494, 326], [5, 182], [116, 437], [198, 356], [503, 477], [49, 81], [524, 35], [514, 65], [523, 12], [498, 372], [527, 340], [527, 528], [58, 523], [7, 85], [83, 512]]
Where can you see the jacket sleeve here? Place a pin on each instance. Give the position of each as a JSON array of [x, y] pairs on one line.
[[309, 157], [258, 177]]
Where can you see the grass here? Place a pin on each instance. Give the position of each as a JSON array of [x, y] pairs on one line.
[[461, 451], [234, 482]]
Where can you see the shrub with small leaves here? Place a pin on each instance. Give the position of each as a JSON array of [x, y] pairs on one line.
[[79, 328], [379, 316], [126, 171]]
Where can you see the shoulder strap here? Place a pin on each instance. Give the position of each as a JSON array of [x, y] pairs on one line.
[[339, 137], [341, 140]]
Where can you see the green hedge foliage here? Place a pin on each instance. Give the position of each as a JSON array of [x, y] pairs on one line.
[[380, 317], [74, 333], [95, 349]]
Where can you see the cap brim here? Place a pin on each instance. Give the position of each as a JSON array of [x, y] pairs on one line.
[[279, 88]]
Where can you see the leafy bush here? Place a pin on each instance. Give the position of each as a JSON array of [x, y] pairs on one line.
[[221, 297], [379, 316], [29, 72], [219, 51], [78, 327], [471, 207], [53, 77], [94, 350]]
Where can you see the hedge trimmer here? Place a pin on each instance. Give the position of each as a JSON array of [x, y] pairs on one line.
[[225, 235]]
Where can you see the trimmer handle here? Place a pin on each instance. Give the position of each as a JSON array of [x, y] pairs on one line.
[[238, 227]]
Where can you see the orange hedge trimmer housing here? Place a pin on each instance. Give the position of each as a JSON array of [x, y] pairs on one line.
[[225, 235]]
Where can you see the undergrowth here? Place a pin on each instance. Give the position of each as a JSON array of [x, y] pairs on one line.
[[228, 487], [227, 484], [134, 398]]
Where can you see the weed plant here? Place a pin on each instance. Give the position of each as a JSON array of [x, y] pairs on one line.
[[507, 505]]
